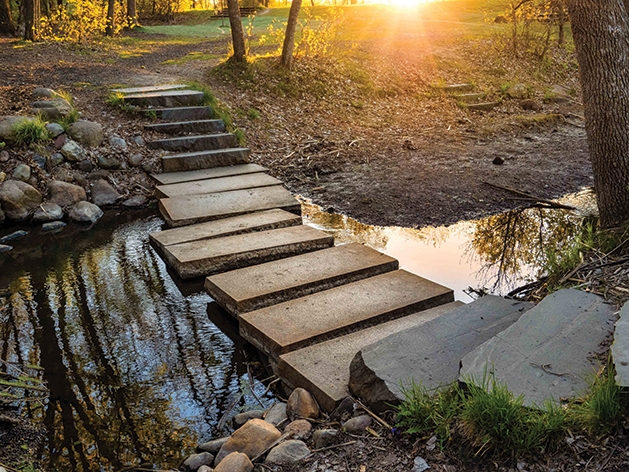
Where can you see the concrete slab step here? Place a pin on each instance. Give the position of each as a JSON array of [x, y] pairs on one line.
[[169, 178], [260, 221], [182, 113], [295, 324], [191, 209], [548, 354], [486, 106], [221, 184], [470, 97], [167, 98], [149, 89], [454, 88], [323, 369], [205, 159], [187, 127], [430, 353], [204, 142], [267, 284], [212, 256], [620, 348]]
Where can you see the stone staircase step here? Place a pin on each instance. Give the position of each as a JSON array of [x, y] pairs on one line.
[[221, 184], [486, 106], [309, 320], [181, 113], [211, 256], [205, 142], [169, 178], [260, 221], [323, 369], [186, 210], [187, 127], [167, 98], [259, 286], [205, 159], [620, 348], [149, 89], [548, 354], [429, 353], [455, 88], [469, 97]]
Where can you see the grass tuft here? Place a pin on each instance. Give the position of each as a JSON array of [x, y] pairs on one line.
[[29, 132]]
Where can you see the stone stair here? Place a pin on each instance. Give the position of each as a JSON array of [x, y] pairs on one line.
[[466, 97], [188, 127]]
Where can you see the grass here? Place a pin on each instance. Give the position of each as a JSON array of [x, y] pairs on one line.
[[209, 99], [117, 100], [491, 419], [29, 132]]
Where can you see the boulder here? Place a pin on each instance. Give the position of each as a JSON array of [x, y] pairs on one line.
[[251, 439], [55, 129], [53, 226], [212, 446], [64, 193], [518, 91], [289, 452], [42, 92], [205, 468], [59, 141], [72, 151], [22, 172], [103, 193], [88, 133], [135, 160], [5, 248], [298, 429], [118, 143], [8, 124], [324, 438], [85, 165], [47, 212], [235, 462], [98, 174], [276, 415], [4, 156], [55, 159], [195, 461], [135, 201], [18, 199], [530, 104], [19, 234], [357, 425], [242, 418], [40, 161], [85, 212], [301, 404], [53, 109], [138, 140], [108, 162]]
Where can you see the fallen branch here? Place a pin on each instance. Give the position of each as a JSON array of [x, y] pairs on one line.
[[374, 416]]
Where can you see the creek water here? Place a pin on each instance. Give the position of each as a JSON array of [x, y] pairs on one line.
[[140, 365]]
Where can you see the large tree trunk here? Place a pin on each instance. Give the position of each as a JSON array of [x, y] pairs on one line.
[[289, 39], [601, 36], [7, 27], [238, 35], [111, 10], [31, 15], [132, 14]]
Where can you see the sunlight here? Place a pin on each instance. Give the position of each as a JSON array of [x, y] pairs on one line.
[[401, 3]]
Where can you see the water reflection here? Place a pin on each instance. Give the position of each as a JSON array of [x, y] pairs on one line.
[[137, 372], [495, 254]]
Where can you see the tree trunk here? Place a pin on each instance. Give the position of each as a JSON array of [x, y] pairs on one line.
[[289, 39], [601, 36], [132, 14], [7, 27], [30, 18], [238, 35], [111, 9]]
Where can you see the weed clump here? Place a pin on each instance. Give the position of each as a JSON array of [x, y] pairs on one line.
[[29, 132]]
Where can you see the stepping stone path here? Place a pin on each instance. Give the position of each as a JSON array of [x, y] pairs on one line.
[[312, 307]]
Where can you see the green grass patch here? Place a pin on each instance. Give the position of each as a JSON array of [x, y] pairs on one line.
[[192, 56], [209, 99], [30, 132]]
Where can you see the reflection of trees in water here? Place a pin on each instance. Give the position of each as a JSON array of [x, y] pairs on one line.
[[517, 242], [134, 368]]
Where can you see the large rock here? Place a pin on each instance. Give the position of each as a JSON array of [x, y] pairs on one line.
[[301, 404], [7, 127], [22, 172], [289, 452], [47, 212], [195, 461], [212, 446], [103, 193], [358, 425], [72, 151], [519, 91], [242, 418], [88, 133], [620, 348], [277, 414], [429, 353], [235, 462], [53, 109], [18, 199], [85, 212], [64, 193], [251, 439], [547, 355], [298, 429]]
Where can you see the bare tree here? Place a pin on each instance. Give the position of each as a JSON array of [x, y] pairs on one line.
[[601, 36], [238, 35], [289, 38]]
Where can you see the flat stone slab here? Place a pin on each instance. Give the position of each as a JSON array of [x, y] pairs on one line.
[[455, 88], [205, 159], [323, 369], [620, 348], [261, 221], [204, 142], [150, 89], [295, 324], [429, 353], [203, 174], [548, 354], [470, 97], [191, 209], [220, 184], [267, 284], [486, 106], [167, 98], [211, 256], [182, 113], [185, 127]]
